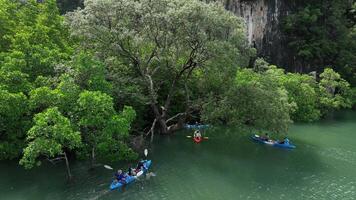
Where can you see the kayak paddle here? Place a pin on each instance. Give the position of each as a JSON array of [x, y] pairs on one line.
[[145, 152], [141, 172], [189, 136], [108, 167]]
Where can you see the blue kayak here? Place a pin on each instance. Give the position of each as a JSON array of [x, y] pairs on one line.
[[257, 138], [196, 126], [130, 179]]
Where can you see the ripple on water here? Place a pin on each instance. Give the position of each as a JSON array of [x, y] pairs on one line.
[[340, 154], [334, 188]]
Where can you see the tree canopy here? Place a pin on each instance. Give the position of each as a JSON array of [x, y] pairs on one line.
[[91, 83], [51, 134], [159, 43]]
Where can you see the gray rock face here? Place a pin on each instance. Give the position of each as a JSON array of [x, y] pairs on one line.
[[263, 21]]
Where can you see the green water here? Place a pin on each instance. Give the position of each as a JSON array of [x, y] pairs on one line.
[[227, 166]]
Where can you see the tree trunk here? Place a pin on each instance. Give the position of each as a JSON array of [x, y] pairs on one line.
[[92, 157], [67, 165], [161, 114]]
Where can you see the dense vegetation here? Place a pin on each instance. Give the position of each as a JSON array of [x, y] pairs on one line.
[[266, 97], [53, 100], [79, 84], [323, 33]]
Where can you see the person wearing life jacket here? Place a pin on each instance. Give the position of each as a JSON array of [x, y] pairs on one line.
[[265, 137], [120, 176], [140, 166], [131, 171], [197, 134], [284, 141]]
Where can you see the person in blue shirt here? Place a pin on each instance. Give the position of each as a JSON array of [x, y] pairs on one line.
[[120, 176], [285, 141]]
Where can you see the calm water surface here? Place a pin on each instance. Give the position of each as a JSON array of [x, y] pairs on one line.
[[227, 166]]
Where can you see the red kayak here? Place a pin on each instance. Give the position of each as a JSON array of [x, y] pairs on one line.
[[197, 139]]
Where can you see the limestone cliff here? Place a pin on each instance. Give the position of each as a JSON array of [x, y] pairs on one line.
[[263, 21]]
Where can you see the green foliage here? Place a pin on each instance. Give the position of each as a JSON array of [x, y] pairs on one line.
[[322, 33], [43, 98], [69, 5], [37, 39], [69, 94], [112, 150], [120, 124], [111, 146], [14, 81], [302, 90], [173, 55], [268, 98], [37, 76], [261, 65], [89, 73], [13, 123], [51, 134], [7, 11], [255, 100], [94, 109], [153, 48], [102, 126], [353, 97], [335, 92], [64, 96]]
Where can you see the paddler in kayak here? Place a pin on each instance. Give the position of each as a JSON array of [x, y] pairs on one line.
[[140, 166], [120, 176], [131, 171], [285, 141], [265, 137], [197, 134]]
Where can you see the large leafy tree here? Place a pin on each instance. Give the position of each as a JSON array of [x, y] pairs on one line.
[[159, 43], [50, 136], [32, 40]]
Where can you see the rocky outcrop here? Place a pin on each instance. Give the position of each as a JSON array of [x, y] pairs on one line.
[[263, 21]]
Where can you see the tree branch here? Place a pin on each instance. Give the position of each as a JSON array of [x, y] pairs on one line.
[[175, 116], [152, 129], [54, 160]]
